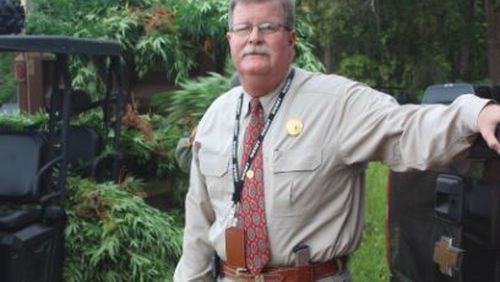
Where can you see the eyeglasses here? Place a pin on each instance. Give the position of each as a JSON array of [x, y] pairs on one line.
[[245, 29]]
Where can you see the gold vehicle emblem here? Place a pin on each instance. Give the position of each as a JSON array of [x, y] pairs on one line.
[[448, 257]]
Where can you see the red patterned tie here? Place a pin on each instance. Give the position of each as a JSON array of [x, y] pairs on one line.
[[251, 212]]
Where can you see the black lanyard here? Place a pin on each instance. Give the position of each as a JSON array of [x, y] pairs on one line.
[[239, 180]]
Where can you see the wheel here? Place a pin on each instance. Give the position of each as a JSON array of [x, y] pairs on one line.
[[11, 17]]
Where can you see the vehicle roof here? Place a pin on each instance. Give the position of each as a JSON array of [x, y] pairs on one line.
[[446, 93], [59, 44]]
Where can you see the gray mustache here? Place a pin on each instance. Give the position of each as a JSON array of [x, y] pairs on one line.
[[252, 49]]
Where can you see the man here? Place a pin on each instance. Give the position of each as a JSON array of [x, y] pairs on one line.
[[282, 198]]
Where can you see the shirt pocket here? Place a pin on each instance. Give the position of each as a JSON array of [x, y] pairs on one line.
[[295, 182], [215, 168]]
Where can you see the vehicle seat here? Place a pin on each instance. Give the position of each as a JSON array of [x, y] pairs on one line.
[[84, 146], [31, 238], [21, 158]]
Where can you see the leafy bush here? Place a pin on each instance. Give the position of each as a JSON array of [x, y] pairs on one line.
[[149, 153], [186, 106], [22, 121], [153, 34], [8, 82], [113, 235]]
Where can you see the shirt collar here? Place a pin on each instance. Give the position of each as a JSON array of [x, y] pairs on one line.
[[266, 100]]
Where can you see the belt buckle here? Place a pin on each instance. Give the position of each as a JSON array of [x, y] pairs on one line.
[[239, 270], [259, 278]]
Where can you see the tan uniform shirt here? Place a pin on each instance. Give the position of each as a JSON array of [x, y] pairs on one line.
[[314, 183]]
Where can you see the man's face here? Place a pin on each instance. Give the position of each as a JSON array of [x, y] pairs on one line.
[[261, 53]]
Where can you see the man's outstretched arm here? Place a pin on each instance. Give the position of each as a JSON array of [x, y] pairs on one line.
[[487, 122]]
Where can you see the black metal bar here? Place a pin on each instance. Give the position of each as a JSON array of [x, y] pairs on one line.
[[106, 106], [59, 45], [56, 78], [66, 113], [60, 115], [115, 63]]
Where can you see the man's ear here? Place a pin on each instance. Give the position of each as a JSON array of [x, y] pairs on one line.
[[291, 38], [228, 36]]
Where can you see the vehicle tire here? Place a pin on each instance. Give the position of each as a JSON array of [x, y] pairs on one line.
[[12, 17]]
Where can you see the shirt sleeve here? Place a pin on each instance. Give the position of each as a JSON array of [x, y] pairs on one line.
[[194, 264], [375, 127]]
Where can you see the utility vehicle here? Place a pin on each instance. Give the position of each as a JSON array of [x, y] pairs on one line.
[[34, 164]]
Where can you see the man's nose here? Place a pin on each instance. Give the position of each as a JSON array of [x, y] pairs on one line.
[[255, 36]]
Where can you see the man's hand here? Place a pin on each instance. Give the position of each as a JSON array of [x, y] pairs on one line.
[[487, 122]]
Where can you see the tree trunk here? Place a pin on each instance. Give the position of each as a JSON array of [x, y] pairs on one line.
[[465, 54], [493, 17], [327, 57]]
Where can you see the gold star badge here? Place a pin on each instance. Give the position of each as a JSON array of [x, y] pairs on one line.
[[294, 127]]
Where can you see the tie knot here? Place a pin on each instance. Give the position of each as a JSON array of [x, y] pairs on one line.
[[255, 105]]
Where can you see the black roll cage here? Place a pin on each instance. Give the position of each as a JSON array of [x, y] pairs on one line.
[[63, 47]]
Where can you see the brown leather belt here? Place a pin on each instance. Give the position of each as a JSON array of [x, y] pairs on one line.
[[305, 273]]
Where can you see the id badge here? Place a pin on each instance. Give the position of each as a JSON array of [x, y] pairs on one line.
[[235, 246]]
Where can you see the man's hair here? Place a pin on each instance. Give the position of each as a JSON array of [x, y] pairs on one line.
[[288, 9]]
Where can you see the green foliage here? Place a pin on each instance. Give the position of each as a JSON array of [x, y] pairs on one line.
[[359, 67], [8, 83], [151, 158], [368, 262], [22, 121], [187, 105], [408, 44], [304, 48], [204, 25], [157, 47], [117, 236], [111, 233], [151, 33], [86, 75], [148, 154]]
